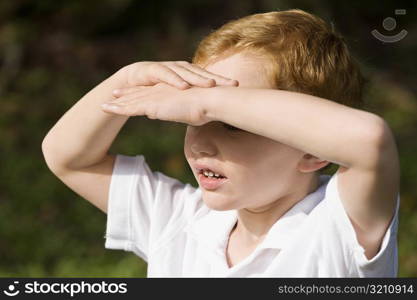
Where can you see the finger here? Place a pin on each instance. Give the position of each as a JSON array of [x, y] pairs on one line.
[[124, 94], [110, 107], [220, 80], [127, 101], [126, 91], [124, 99], [128, 110], [191, 77], [162, 73]]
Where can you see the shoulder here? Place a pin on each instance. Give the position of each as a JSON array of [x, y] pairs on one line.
[[337, 226]]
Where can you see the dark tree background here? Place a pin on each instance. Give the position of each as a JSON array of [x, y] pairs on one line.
[[53, 52]]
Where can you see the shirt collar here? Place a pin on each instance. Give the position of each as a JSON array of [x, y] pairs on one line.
[[213, 228]]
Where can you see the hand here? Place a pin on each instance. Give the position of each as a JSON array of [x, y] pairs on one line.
[[180, 74], [162, 102]]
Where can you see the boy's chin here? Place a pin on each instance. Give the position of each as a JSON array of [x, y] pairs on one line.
[[218, 204]]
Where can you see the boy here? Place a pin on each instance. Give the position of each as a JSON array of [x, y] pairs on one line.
[[267, 102]]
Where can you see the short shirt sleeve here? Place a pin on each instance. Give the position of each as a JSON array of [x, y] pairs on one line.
[[145, 208], [385, 262]]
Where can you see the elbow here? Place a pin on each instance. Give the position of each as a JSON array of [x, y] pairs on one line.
[[47, 155], [380, 134], [46, 150], [380, 142], [44, 146], [49, 158]]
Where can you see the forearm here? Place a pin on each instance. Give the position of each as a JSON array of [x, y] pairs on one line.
[[83, 135], [323, 128]]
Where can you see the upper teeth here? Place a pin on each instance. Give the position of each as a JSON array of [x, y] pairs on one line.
[[211, 174]]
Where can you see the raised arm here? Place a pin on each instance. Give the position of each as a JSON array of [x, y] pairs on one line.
[[76, 147]]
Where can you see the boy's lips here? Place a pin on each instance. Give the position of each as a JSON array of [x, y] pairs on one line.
[[210, 183], [200, 167]]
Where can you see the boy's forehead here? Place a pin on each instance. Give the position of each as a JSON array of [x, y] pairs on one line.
[[247, 69]]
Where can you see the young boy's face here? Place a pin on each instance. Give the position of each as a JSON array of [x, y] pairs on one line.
[[259, 170]]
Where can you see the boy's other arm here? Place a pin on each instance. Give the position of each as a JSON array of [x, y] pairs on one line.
[[361, 143], [75, 148]]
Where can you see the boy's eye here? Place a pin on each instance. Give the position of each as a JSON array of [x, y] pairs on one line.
[[230, 127]]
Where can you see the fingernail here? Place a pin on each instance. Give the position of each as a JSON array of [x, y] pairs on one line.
[[117, 91]]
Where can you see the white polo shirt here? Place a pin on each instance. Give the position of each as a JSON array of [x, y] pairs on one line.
[[166, 223]]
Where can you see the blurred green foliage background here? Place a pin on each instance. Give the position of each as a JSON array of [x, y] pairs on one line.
[[53, 52]]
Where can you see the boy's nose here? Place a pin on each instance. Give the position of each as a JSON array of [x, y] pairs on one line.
[[202, 139], [203, 148]]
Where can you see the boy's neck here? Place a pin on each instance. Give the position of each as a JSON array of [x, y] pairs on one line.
[[252, 226]]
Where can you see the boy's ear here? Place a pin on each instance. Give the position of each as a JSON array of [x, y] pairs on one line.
[[310, 163]]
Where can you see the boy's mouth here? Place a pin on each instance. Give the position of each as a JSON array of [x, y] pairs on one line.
[[208, 170], [209, 181], [211, 174]]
